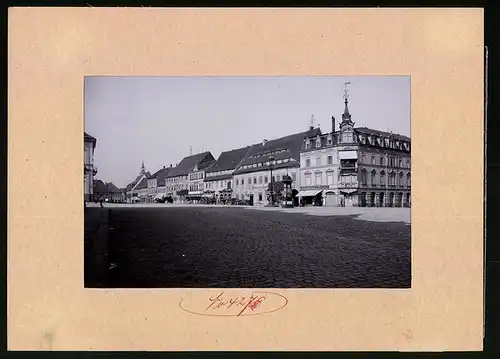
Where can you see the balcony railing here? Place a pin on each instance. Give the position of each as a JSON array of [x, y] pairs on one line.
[[345, 167], [348, 185]]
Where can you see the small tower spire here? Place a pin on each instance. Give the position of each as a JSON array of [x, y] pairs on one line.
[[346, 115], [190, 150], [143, 168]]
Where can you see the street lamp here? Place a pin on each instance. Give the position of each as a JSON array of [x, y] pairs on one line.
[[271, 159]]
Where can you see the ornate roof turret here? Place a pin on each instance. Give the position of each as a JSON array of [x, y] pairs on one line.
[[346, 116]]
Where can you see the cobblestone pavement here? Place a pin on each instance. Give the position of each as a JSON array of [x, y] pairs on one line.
[[222, 247]]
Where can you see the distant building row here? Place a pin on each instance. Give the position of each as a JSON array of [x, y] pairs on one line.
[[345, 167]]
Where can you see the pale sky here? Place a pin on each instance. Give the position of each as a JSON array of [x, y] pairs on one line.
[[157, 119]]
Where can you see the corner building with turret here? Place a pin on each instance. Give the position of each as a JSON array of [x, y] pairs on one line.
[[355, 166]]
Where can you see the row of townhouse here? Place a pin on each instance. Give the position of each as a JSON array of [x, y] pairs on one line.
[[345, 167]]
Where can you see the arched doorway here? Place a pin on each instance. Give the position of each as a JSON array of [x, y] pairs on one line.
[[362, 199], [330, 199], [381, 199], [390, 203], [372, 199], [399, 200], [408, 203]]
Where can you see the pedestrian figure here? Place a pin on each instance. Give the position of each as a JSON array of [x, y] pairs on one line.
[[100, 202]]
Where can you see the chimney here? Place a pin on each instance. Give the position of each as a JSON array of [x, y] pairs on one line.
[[264, 141], [311, 128], [333, 123]]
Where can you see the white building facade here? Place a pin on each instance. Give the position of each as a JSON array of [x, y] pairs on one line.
[[319, 171], [270, 161], [356, 167], [89, 169]]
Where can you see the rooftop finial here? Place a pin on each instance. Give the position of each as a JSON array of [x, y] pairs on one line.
[[143, 168], [311, 124], [346, 115], [346, 90], [190, 150]]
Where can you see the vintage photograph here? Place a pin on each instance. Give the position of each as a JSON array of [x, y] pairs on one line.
[[247, 182]]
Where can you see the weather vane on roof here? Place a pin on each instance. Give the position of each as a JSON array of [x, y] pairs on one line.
[[312, 119], [346, 90]]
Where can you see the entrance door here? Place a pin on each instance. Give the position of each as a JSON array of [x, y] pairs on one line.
[[363, 199], [251, 200], [372, 199], [391, 200], [381, 199], [330, 199], [400, 200]]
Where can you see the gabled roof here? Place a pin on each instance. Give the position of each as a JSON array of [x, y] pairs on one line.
[[370, 131], [136, 181], [205, 165], [160, 175], [283, 148], [229, 160], [143, 183], [101, 188], [187, 164], [112, 188]]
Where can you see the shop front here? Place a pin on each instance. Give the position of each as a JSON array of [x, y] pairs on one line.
[[349, 198], [311, 198]]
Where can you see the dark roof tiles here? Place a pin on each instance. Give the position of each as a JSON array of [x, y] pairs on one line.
[[228, 160], [187, 164], [370, 131], [287, 147]]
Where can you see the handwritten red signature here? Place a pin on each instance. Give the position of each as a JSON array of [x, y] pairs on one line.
[[251, 302], [226, 304]]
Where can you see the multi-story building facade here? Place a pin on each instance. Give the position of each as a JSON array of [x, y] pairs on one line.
[[89, 170], [364, 167], [219, 176], [319, 169], [196, 177], [177, 179], [270, 160], [384, 168], [157, 184]]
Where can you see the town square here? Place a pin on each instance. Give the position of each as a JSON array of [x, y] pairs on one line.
[[322, 207]]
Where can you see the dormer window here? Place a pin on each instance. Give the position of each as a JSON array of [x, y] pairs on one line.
[[308, 144], [329, 140], [318, 142]]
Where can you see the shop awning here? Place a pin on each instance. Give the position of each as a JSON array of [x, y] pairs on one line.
[[309, 193], [348, 190]]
